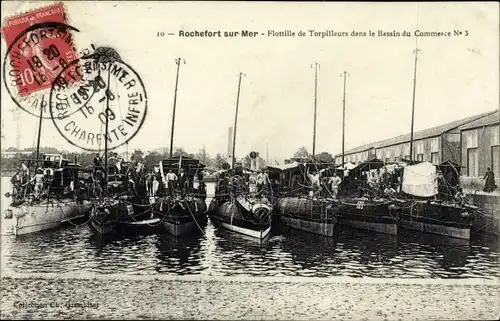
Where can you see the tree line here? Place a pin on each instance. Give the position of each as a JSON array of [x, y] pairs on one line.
[[323, 157], [87, 158], [150, 159]]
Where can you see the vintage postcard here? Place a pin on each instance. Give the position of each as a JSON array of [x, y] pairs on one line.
[[250, 160]]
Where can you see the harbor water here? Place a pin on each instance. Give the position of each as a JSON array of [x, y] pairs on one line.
[[33, 266]]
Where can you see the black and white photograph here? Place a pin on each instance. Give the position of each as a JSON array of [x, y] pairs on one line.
[[210, 160]]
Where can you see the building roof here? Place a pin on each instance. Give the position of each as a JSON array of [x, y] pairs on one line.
[[426, 133], [485, 121]]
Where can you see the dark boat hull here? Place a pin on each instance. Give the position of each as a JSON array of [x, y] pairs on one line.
[[103, 228], [436, 218], [123, 216], [180, 217], [377, 216], [235, 217], [315, 216]]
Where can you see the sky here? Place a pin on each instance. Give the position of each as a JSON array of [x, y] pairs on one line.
[[457, 76]]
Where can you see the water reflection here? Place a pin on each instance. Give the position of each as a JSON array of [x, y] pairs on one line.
[[180, 255]]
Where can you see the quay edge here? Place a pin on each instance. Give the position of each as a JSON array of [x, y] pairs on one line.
[[489, 203]]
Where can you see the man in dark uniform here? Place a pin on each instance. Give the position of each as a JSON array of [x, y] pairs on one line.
[[183, 182], [97, 162], [489, 181]]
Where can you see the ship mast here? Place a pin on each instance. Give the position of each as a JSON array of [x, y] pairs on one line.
[[178, 62], [39, 136], [413, 102], [236, 120], [267, 154], [315, 106], [343, 119]]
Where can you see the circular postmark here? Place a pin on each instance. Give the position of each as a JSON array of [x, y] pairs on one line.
[[105, 102], [34, 58]]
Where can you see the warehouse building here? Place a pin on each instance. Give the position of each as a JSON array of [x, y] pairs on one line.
[[480, 142], [437, 144]]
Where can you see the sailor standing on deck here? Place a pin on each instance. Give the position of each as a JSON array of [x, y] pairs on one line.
[[149, 183], [334, 183], [39, 180], [139, 166], [16, 181], [155, 186], [183, 182], [97, 162], [372, 180], [315, 181], [262, 181], [171, 178]]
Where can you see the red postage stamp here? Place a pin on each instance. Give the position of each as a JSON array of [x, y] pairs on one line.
[[39, 48]]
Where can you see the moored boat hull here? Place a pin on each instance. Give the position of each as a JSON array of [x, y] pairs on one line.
[[315, 216], [462, 233], [109, 216], [180, 217], [45, 216], [326, 229], [436, 218], [377, 216], [261, 234], [181, 228], [103, 228], [234, 217]]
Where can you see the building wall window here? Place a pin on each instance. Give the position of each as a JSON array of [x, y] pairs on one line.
[[397, 150], [434, 142], [435, 158], [406, 150], [470, 139], [419, 147], [495, 160], [495, 135], [407, 156], [388, 153], [419, 150], [472, 162]]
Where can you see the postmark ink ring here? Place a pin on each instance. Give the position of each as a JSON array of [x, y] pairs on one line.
[[109, 90], [33, 59]]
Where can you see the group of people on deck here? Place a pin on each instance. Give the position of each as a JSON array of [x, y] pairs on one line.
[[181, 183], [258, 184], [371, 184], [327, 186], [151, 182], [36, 185]]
